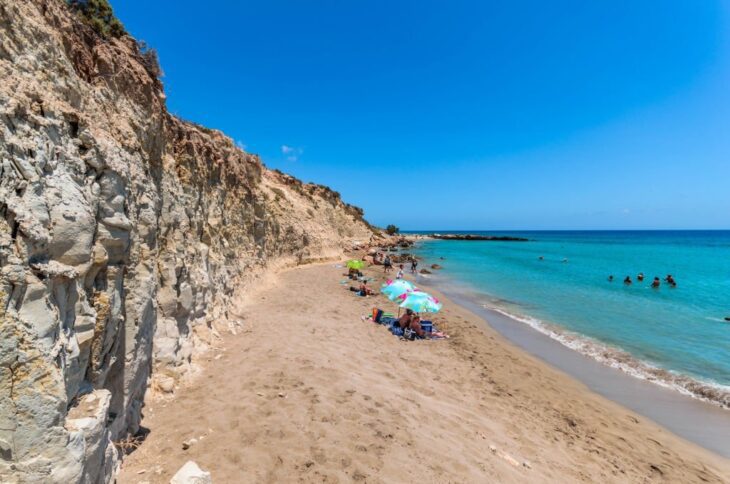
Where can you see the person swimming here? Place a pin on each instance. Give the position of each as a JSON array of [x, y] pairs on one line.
[[640, 277], [610, 278], [541, 258], [656, 283], [627, 280]]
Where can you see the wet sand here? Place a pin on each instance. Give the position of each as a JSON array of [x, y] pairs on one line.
[[703, 423], [310, 392]]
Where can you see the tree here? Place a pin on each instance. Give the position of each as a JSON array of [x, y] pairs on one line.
[[392, 229]]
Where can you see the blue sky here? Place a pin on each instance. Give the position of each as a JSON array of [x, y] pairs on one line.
[[473, 115]]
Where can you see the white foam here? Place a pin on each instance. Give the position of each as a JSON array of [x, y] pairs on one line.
[[703, 390]]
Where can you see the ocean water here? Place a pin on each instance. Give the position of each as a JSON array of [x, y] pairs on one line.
[[676, 337]]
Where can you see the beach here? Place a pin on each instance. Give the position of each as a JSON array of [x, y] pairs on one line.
[[311, 391]]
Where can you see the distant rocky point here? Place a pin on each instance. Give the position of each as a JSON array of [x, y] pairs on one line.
[[495, 238]]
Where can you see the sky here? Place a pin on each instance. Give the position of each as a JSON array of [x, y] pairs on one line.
[[484, 115]]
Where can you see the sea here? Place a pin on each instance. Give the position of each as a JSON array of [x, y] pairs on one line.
[[558, 283]]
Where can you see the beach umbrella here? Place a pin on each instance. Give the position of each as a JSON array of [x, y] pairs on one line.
[[355, 264], [420, 302], [394, 289]]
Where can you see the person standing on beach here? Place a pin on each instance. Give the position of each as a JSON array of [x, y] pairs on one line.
[[414, 265], [387, 264], [400, 272]]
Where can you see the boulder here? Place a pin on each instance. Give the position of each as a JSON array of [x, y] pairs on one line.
[[436, 266], [190, 473]]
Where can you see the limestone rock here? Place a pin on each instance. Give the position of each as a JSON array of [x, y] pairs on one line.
[[125, 234], [190, 473]]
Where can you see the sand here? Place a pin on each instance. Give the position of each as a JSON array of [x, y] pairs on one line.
[[309, 392]]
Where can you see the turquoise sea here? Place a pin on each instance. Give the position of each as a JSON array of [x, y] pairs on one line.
[[676, 337]]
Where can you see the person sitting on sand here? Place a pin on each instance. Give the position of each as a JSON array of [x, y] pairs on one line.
[[627, 280], [656, 283], [400, 274], [640, 277], [365, 290], [405, 320], [415, 326]]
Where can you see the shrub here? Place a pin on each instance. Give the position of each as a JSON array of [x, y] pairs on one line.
[[150, 60], [98, 14], [392, 229]]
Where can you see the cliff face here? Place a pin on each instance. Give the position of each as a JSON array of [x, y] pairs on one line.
[[124, 235]]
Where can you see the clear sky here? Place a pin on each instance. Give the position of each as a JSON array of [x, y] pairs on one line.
[[487, 115]]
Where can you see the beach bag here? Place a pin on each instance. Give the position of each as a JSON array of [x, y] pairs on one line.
[[377, 314]]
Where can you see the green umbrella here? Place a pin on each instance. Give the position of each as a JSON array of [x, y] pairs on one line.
[[355, 264]]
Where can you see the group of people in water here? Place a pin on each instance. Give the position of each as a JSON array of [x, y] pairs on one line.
[[655, 283]]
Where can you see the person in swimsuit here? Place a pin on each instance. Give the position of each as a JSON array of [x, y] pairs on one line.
[[400, 272], [627, 280], [656, 283], [405, 320]]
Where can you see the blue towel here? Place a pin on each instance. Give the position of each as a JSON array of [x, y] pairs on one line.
[[387, 321]]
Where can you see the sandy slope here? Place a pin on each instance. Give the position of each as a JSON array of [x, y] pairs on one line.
[[310, 392]]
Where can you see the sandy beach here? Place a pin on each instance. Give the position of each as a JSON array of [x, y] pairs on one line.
[[309, 391]]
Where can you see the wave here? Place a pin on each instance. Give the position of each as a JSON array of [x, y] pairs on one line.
[[707, 391]]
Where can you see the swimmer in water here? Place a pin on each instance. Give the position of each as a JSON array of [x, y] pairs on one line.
[[627, 280], [656, 283], [541, 258], [610, 278], [640, 277]]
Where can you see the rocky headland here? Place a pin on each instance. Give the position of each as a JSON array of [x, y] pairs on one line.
[[125, 232]]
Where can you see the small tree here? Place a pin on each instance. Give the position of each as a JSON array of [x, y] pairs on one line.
[[391, 229]]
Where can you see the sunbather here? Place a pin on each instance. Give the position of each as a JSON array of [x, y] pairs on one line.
[[416, 327], [405, 320]]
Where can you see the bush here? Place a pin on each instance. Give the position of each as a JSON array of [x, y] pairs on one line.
[[98, 14], [150, 60], [392, 229]]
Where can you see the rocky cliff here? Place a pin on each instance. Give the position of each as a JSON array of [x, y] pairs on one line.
[[125, 233]]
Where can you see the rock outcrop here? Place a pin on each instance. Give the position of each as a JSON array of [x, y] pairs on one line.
[[125, 233]]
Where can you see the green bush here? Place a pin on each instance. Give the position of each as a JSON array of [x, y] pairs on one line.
[[392, 229], [98, 14]]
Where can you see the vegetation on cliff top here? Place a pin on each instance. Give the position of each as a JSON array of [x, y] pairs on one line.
[[98, 14]]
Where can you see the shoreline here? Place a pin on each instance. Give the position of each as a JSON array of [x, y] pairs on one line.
[[309, 391], [703, 422]]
